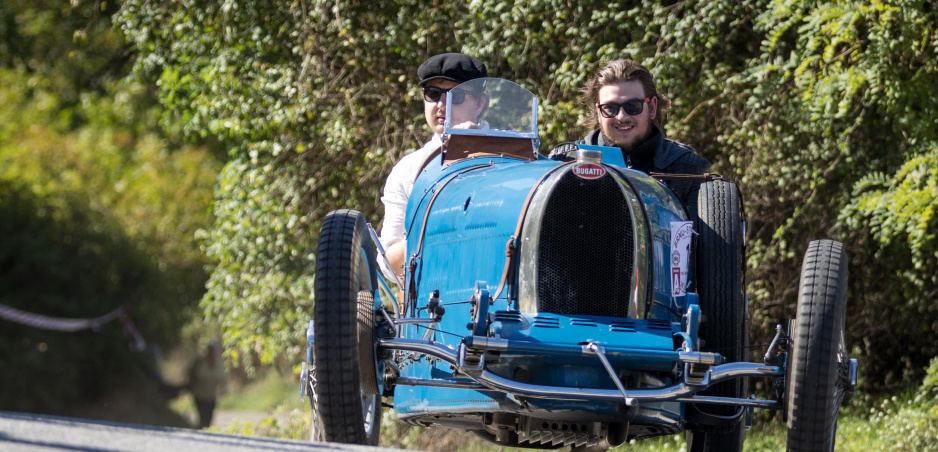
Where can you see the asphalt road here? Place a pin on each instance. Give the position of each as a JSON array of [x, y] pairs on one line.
[[29, 432]]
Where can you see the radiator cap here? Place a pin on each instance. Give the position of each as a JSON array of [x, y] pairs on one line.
[[589, 156]]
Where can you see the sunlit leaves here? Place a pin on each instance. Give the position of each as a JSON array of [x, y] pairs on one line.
[[901, 210], [314, 102]]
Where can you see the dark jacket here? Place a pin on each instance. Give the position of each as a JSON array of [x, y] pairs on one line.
[[656, 154]]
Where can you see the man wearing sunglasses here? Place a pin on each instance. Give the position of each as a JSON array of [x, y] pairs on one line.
[[625, 112], [439, 76]]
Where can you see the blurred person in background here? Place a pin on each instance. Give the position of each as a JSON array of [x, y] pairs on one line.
[[207, 381]]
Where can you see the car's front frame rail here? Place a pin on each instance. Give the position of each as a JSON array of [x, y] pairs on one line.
[[480, 378]]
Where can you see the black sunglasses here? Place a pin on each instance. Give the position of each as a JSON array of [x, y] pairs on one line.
[[433, 94], [631, 107]]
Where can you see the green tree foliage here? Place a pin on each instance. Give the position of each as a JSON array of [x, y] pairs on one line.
[[97, 209], [65, 48], [57, 262], [839, 91], [314, 102], [900, 211], [895, 218], [796, 101], [92, 219]]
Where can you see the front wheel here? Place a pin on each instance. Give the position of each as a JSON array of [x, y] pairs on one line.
[[344, 397], [819, 372], [371, 413], [720, 260]]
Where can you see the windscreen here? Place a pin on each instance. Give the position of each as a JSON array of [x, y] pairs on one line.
[[491, 107]]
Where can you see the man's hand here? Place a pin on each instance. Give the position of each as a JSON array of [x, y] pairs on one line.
[[467, 125]]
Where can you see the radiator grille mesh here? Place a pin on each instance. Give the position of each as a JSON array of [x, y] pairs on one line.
[[585, 254]]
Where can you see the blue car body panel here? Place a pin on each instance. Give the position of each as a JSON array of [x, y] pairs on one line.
[[475, 206]]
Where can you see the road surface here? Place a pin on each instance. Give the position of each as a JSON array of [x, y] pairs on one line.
[[34, 433]]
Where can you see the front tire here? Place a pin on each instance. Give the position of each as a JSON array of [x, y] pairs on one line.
[[346, 406], [719, 269], [818, 376]]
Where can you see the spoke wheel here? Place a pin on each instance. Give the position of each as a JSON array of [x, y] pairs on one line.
[[316, 429], [819, 374], [344, 395]]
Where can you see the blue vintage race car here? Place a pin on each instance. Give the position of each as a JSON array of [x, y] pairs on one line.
[[549, 304]]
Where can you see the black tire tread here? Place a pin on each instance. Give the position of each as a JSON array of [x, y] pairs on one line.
[[720, 274], [720, 287], [818, 330], [336, 326]]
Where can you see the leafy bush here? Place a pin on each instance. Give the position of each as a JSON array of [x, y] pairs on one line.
[[95, 217], [900, 424], [895, 217]]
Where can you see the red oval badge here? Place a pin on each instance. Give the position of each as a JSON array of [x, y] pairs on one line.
[[589, 171]]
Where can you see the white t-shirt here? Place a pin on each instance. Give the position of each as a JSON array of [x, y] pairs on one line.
[[396, 192]]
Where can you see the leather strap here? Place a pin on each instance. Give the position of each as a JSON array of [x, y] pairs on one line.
[[511, 247]]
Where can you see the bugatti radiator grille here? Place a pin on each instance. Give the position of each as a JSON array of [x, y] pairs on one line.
[[585, 252]]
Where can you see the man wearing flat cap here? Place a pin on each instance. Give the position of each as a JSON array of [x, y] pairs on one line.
[[438, 75]]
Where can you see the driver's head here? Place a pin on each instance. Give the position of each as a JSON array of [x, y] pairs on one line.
[[438, 75], [624, 102]]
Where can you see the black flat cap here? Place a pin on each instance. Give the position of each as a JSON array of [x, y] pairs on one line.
[[455, 67]]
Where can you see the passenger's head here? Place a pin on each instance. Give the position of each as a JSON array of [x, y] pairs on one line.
[[438, 75], [624, 102]]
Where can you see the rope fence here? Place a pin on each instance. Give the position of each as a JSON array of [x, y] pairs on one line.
[[134, 338]]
